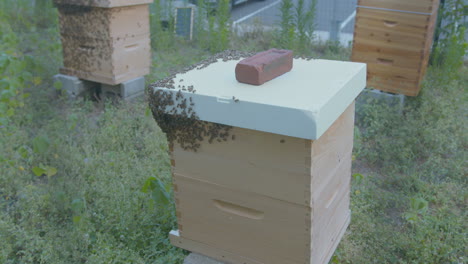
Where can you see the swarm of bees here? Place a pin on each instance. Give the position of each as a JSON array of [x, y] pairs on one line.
[[176, 117], [81, 51], [175, 114]]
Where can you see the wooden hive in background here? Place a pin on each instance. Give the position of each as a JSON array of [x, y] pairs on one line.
[[276, 191], [105, 42], [394, 38]]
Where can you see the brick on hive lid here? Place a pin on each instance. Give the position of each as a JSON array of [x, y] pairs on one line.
[[264, 66]]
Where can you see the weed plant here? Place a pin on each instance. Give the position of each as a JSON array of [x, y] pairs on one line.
[[222, 33], [162, 26], [450, 44], [296, 26]]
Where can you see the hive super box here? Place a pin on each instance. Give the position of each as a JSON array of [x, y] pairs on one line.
[[278, 193], [105, 41], [394, 38]]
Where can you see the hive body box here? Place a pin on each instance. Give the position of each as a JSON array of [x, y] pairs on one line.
[[278, 191], [394, 38], [105, 42]]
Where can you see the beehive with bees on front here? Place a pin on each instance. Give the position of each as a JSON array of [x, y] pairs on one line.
[[261, 174], [394, 38], [105, 41]]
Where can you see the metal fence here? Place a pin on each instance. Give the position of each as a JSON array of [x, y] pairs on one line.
[[334, 19]]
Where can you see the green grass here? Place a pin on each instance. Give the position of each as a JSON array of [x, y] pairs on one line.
[[93, 209], [409, 195]]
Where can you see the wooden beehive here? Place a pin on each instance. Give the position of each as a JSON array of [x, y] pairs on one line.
[[276, 189], [394, 38], [105, 45]]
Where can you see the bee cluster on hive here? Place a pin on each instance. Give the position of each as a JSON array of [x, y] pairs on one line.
[[74, 20], [176, 116]]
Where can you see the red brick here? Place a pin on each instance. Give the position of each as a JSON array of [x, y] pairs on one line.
[[264, 66]]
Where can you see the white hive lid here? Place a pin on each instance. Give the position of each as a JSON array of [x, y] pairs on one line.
[[301, 103]]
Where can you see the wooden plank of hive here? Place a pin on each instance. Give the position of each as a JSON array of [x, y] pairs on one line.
[[411, 61], [393, 85], [249, 161], [410, 36], [386, 27], [393, 21], [390, 56], [216, 215], [330, 230], [204, 249], [402, 44], [391, 29], [389, 71], [106, 60], [104, 23], [330, 150], [423, 6], [338, 184], [253, 158]]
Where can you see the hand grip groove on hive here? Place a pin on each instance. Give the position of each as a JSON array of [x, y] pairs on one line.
[[86, 48], [131, 47], [331, 200], [385, 61], [390, 23], [238, 210]]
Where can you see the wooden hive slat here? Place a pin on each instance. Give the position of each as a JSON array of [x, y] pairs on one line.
[[422, 6], [219, 216], [212, 251], [389, 71], [395, 45], [106, 61], [330, 151], [104, 23], [338, 184], [330, 229], [391, 29], [250, 160], [390, 56]]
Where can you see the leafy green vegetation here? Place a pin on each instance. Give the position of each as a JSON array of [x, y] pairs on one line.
[[296, 26], [450, 45], [89, 182]]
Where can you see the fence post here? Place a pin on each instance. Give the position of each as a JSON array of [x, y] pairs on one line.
[[335, 23]]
